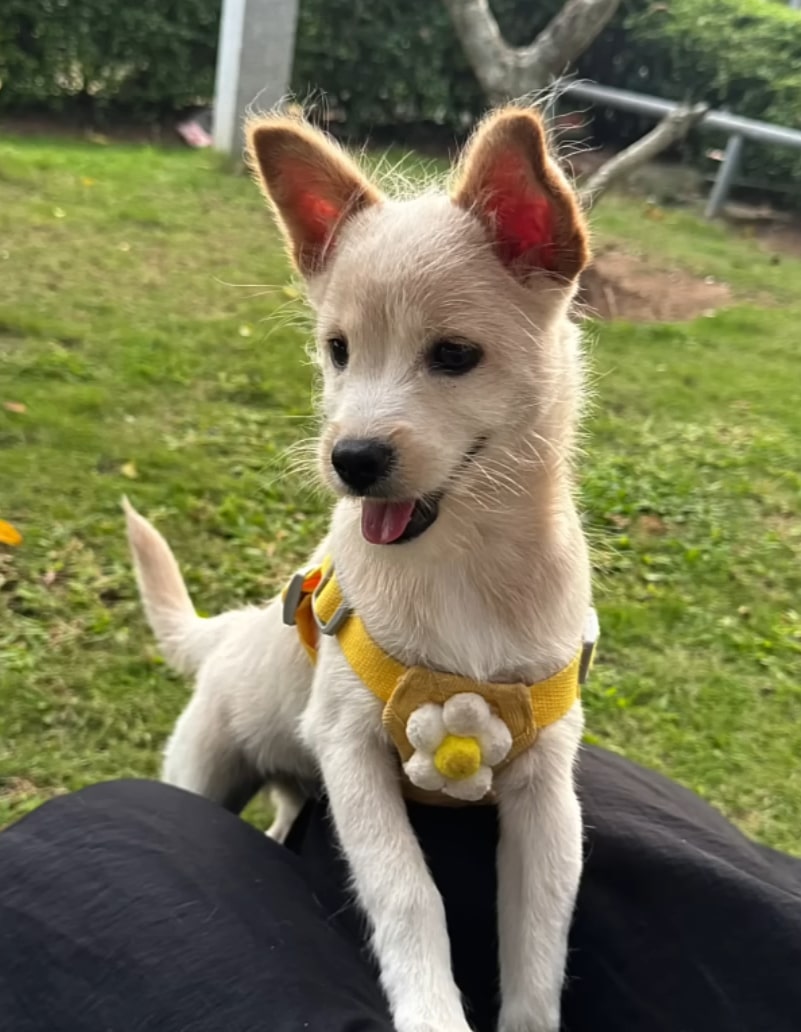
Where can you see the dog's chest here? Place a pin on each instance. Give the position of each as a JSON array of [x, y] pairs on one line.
[[454, 627]]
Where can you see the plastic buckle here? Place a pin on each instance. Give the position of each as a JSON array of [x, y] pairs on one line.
[[329, 627], [592, 631], [294, 594]]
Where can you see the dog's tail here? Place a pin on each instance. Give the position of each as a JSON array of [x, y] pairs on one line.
[[181, 633]]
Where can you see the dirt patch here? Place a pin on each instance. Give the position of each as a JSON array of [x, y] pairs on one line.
[[623, 286], [781, 239]]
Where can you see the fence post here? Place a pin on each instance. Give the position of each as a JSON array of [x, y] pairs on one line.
[[254, 64], [725, 176]]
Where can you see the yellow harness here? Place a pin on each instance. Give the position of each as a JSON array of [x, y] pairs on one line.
[[314, 603]]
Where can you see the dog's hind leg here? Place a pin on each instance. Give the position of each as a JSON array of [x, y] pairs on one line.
[[287, 801], [202, 757]]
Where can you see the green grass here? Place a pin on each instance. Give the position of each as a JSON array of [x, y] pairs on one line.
[[123, 335]]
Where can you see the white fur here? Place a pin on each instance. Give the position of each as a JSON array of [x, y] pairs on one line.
[[497, 589]]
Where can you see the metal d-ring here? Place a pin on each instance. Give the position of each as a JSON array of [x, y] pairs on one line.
[[329, 627]]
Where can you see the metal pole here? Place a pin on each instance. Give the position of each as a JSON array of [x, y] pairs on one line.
[[641, 103], [725, 176], [254, 64]]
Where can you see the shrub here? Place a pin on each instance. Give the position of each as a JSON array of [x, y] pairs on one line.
[[138, 60]]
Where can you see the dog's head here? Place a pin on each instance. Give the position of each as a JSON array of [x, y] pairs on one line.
[[448, 358]]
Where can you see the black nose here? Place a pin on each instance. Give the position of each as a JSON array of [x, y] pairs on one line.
[[362, 462]]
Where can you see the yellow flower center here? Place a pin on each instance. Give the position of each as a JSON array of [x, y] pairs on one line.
[[457, 758]]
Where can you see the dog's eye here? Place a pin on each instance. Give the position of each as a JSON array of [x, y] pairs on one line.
[[453, 358], [338, 350]]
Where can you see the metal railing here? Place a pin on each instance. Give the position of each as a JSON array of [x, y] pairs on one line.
[[739, 129]]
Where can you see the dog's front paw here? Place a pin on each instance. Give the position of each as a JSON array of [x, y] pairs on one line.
[[426, 1025], [417, 1022], [541, 1019]]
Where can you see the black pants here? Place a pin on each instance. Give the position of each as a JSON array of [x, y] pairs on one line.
[[132, 906]]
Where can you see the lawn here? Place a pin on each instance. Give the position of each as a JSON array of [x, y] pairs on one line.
[[150, 329]]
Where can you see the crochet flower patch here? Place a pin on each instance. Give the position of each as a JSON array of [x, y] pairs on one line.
[[456, 746]]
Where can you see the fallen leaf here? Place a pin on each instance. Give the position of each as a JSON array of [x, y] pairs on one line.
[[97, 138], [49, 578], [655, 214], [129, 470], [9, 535], [124, 246], [59, 213], [88, 181], [245, 330], [15, 406]]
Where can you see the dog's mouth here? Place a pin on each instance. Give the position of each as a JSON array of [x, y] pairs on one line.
[[393, 523]]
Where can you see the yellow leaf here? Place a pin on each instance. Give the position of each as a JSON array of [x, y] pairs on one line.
[[9, 535], [291, 292], [88, 181], [59, 213], [124, 246], [245, 331], [129, 470]]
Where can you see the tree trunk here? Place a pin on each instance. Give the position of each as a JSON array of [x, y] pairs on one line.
[[506, 72]]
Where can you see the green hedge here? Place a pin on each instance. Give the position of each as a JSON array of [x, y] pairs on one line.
[[137, 60], [382, 64], [385, 65]]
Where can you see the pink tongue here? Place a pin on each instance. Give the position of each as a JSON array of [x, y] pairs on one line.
[[384, 522]]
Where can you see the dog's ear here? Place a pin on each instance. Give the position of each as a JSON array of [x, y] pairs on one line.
[[508, 180], [310, 183]]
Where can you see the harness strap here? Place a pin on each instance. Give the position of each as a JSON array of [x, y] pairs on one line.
[[315, 604]]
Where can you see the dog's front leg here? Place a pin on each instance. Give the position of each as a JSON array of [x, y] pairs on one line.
[[539, 867], [343, 728]]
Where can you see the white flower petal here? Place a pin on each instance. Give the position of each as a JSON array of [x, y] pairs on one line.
[[425, 728], [471, 789], [420, 770], [465, 714], [495, 741]]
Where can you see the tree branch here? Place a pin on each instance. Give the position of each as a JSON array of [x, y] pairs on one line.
[[490, 57], [670, 130], [563, 40], [506, 72]]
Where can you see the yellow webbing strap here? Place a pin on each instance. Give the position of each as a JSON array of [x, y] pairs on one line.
[[321, 604]]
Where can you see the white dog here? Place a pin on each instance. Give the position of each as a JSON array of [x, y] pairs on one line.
[[442, 651]]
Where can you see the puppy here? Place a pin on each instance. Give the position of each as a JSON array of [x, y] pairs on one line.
[[452, 384]]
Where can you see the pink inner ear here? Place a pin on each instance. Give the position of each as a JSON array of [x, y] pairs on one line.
[[524, 222], [315, 213], [317, 216]]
